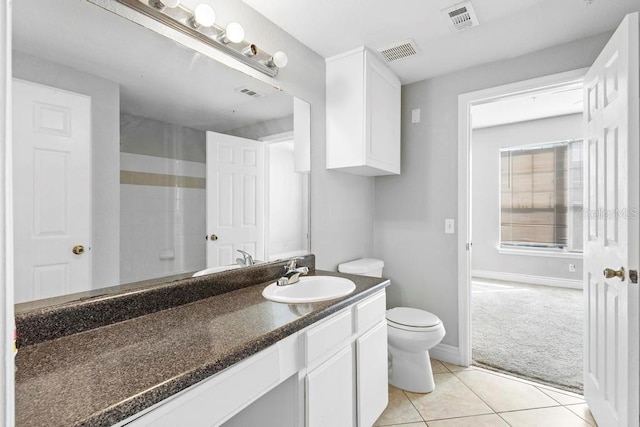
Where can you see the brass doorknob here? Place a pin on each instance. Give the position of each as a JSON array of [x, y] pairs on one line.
[[78, 249], [213, 237], [609, 273]]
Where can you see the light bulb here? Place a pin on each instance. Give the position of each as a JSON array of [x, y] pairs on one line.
[[234, 32], [203, 16], [279, 59]]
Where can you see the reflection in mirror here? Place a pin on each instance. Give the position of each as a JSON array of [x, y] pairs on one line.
[[130, 149]]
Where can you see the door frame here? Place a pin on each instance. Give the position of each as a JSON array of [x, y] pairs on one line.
[[465, 102], [7, 392]]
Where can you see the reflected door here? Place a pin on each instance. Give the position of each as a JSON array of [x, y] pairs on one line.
[[52, 198], [235, 198], [611, 251]]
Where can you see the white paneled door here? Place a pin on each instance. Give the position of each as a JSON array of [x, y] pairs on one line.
[[235, 198], [612, 230], [52, 198]]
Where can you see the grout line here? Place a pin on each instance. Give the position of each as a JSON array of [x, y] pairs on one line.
[[506, 422], [414, 406], [581, 417]]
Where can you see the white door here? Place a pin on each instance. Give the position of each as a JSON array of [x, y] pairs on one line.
[[612, 230], [52, 197], [235, 198]]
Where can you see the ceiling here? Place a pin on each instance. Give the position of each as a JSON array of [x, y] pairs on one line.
[[508, 28], [158, 78]]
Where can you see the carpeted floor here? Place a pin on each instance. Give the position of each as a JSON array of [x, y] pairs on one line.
[[530, 331]]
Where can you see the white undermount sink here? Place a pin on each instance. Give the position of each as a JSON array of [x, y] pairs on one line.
[[310, 289]]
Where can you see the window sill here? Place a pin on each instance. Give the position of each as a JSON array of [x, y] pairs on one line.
[[548, 253]]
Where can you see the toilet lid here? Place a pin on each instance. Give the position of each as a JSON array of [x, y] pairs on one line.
[[412, 317]]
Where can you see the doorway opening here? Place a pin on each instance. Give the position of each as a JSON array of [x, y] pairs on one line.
[[524, 281]]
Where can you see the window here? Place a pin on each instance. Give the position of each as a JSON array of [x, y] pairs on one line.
[[541, 196]]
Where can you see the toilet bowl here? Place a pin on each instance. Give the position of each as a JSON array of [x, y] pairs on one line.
[[411, 334]]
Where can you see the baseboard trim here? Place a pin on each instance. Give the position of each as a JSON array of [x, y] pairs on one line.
[[446, 353], [526, 278]]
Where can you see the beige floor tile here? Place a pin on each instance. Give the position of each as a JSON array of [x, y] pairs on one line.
[[490, 420], [399, 410], [450, 399], [562, 398], [422, 424], [582, 410], [557, 416], [577, 398], [504, 394], [437, 367]]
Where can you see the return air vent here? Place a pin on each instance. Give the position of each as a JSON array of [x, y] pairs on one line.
[[250, 92], [461, 16], [399, 50]]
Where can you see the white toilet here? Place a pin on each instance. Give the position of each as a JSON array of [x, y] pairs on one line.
[[411, 334]]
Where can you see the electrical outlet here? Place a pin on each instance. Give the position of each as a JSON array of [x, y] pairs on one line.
[[572, 268], [449, 226]]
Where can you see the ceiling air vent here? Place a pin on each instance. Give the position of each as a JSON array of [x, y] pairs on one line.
[[250, 92], [399, 50], [461, 16]]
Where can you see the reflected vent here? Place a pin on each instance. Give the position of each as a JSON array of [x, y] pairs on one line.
[[250, 92], [399, 50], [461, 16]]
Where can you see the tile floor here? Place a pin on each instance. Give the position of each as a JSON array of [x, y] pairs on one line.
[[480, 398]]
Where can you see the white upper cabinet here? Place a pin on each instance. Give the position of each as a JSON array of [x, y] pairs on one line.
[[363, 115]]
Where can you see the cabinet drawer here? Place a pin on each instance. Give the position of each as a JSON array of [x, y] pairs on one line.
[[327, 335], [370, 311]]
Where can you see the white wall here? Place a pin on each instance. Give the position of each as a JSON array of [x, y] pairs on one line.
[[485, 182], [105, 154], [410, 209], [162, 227]]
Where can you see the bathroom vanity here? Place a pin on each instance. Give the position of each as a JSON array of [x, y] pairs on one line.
[[223, 353]]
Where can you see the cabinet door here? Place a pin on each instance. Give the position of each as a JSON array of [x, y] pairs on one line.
[[330, 399], [372, 371], [383, 118]]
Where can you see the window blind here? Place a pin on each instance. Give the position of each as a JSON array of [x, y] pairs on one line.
[[537, 195]]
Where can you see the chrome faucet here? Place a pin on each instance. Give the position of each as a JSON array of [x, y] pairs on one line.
[[246, 259], [292, 274]]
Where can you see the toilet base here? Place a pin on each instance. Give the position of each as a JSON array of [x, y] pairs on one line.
[[410, 371]]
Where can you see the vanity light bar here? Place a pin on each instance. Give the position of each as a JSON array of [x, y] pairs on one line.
[[184, 20]]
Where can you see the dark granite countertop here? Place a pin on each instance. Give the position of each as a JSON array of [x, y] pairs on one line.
[[102, 376]]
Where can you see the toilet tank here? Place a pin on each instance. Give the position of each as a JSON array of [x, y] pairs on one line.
[[363, 266]]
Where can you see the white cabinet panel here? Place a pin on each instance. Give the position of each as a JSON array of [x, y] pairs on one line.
[[363, 115], [330, 392], [371, 379]]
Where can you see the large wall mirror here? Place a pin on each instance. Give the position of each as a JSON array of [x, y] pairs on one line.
[[138, 159]]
